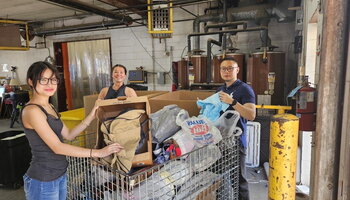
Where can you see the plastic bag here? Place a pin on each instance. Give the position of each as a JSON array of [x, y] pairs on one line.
[[211, 107], [157, 187], [227, 124], [184, 141], [163, 123], [201, 159], [198, 183], [202, 131], [178, 172]]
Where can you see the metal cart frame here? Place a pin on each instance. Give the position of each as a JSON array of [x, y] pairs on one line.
[[207, 173]]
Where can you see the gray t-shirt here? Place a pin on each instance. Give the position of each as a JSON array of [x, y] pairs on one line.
[[45, 164]]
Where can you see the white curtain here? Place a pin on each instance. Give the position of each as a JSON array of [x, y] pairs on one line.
[[89, 68]]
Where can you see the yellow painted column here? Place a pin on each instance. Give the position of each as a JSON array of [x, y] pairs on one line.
[[283, 156]]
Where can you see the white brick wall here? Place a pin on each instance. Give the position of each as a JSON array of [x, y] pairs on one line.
[[23, 59], [126, 47]]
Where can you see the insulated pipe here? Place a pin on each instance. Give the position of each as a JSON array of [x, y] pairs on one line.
[[93, 9], [283, 156], [196, 26], [232, 31], [264, 34], [209, 42], [224, 11], [80, 27], [256, 13], [227, 24], [224, 20]]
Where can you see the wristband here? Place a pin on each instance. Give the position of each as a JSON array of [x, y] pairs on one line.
[[234, 102]]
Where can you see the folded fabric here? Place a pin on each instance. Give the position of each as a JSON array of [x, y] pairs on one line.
[[125, 130], [211, 107]]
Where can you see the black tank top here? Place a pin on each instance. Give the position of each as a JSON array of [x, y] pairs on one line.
[[45, 164], [112, 94]]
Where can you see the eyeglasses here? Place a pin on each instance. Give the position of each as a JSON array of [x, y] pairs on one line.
[[227, 69], [45, 81]]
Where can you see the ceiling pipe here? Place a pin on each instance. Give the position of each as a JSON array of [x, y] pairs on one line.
[[94, 9], [198, 21], [224, 20], [91, 27], [264, 34], [79, 28], [231, 31], [258, 13], [227, 24]]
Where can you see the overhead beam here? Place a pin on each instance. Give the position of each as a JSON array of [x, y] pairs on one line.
[[128, 5], [93, 9]]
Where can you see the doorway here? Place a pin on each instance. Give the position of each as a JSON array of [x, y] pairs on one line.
[[84, 67]]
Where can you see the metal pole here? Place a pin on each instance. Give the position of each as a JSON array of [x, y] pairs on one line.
[[325, 173], [209, 42], [283, 156]]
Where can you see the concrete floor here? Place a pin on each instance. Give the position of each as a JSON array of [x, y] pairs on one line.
[[258, 185]]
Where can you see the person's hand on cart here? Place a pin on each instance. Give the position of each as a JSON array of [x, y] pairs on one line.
[[106, 151]]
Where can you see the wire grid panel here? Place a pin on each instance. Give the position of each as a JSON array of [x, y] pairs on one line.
[[207, 173]]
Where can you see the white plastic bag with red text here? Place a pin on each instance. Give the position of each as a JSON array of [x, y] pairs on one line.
[[202, 131]]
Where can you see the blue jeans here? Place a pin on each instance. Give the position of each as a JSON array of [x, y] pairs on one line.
[[40, 190]]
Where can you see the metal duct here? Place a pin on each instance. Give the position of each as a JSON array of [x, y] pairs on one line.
[[261, 15], [260, 12], [255, 12], [93, 9]]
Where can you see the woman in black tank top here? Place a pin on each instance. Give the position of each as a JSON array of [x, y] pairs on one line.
[[118, 88], [46, 176]]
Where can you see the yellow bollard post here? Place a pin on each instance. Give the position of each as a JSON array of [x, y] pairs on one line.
[[283, 156]]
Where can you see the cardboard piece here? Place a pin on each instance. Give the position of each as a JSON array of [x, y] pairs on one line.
[[185, 99], [89, 103], [111, 108], [150, 94]]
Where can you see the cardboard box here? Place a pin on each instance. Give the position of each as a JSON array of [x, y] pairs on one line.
[[150, 94], [111, 108], [89, 103], [185, 99]]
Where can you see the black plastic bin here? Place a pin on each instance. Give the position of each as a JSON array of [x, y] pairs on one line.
[[15, 157]]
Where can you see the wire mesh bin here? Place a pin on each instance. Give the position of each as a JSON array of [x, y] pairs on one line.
[[207, 173]]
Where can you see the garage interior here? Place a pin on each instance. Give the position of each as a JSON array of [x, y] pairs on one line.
[[284, 48]]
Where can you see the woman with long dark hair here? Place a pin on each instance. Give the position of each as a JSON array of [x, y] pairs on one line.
[[46, 176]]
